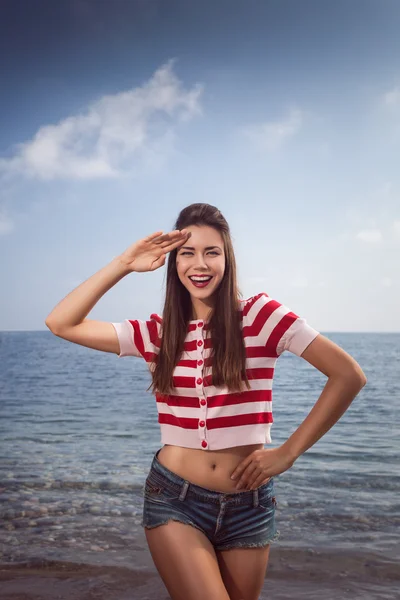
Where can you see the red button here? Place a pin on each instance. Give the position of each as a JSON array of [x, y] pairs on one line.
[[199, 381], [202, 402], [200, 324], [200, 343], [202, 423], [204, 444], [199, 362]]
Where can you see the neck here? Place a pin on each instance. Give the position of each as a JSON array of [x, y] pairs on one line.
[[201, 310]]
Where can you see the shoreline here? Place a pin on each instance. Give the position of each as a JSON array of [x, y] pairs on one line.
[[308, 574]]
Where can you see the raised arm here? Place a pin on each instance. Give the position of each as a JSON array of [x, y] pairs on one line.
[[68, 319]]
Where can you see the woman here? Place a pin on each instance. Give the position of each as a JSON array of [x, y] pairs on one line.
[[211, 357]]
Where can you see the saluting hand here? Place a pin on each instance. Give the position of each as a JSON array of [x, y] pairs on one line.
[[258, 468], [150, 253]]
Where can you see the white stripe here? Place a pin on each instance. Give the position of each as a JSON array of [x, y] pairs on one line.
[[243, 408]]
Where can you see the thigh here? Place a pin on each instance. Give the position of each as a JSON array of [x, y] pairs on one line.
[[186, 562], [243, 571]]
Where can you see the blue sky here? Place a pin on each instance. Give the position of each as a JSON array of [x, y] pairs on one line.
[[284, 114]]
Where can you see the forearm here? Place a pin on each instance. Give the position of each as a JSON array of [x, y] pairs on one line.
[[73, 309], [336, 397]]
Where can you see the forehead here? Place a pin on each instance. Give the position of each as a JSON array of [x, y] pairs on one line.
[[204, 236]]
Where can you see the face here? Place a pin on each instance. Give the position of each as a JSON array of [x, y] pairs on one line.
[[202, 254]]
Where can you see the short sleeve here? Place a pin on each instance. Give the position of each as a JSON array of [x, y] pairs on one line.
[[299, 335], [139, 338], [278, 327]]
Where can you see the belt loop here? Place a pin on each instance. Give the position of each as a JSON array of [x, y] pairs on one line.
[[184, 490], [255, 498]]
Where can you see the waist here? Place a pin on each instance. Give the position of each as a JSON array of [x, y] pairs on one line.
[[211, 469]]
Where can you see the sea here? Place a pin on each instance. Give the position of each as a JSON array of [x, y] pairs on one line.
[[78, 432]]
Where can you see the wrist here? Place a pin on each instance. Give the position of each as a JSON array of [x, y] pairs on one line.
[[122, 267], [288, 449]]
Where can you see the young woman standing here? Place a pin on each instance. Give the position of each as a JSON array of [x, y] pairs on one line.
[[211, 356]]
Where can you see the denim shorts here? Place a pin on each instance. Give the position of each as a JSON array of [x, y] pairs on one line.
[[243, 519]]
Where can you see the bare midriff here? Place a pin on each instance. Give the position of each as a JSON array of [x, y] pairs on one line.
[[211, 469]]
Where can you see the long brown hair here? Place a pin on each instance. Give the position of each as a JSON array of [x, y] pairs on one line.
[[228, 355]]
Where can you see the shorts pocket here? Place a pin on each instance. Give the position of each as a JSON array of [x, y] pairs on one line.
[[267, 502], [159, 491]]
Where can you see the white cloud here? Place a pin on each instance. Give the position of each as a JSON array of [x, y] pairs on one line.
[[272, 135], [116, 134], [370, 236], [392, 98]]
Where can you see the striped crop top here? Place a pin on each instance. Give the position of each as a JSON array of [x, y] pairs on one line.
[[199, 415]]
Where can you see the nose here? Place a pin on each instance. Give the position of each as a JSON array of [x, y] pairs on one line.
[[201, 263]]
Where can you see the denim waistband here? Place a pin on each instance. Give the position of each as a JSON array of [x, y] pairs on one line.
[[177, 482]]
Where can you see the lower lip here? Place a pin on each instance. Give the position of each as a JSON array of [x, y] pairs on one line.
[[200, 285]]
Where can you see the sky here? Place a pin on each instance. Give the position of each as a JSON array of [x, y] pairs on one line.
[[284, 114]]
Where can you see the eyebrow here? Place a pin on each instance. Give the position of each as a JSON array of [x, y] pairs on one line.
[[191, 247]]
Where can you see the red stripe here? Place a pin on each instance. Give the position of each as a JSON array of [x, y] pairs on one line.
[[150, 357], [217, 423], [260, 373], [156, 318], [236, 398], [190, 346], [237, 420], [190, 364], [184, 382], [215, 401], [261, 318], [247, 307], [182, 422], [153, 333], [183, 401], [280, 329], [137, 337], [260, 352]]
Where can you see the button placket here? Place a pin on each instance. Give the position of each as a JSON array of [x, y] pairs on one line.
[[200, 386]]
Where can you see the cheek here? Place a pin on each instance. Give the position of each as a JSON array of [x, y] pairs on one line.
[[179, 269]]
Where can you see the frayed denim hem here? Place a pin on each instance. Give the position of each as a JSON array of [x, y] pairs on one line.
[[172, 519], [244, 544]]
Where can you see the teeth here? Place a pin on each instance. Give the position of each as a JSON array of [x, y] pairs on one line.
[[201, 279]]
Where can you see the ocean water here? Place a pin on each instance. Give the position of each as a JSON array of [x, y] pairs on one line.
[[78, 432]]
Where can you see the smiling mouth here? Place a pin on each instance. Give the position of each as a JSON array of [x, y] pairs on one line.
[[200, 282]]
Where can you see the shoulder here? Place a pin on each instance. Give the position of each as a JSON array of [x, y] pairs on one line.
[[157, 318], [254, 303]]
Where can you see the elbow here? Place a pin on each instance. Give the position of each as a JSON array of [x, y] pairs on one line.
[[354, 378], [361, 376], [50, 326], [358, 378], [355, 373]]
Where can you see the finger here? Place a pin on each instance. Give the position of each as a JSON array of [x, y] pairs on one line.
[[246, 477], [241, 467], [259, 481], [169, 245], [159, 262], [153, 236], [168, 238]]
